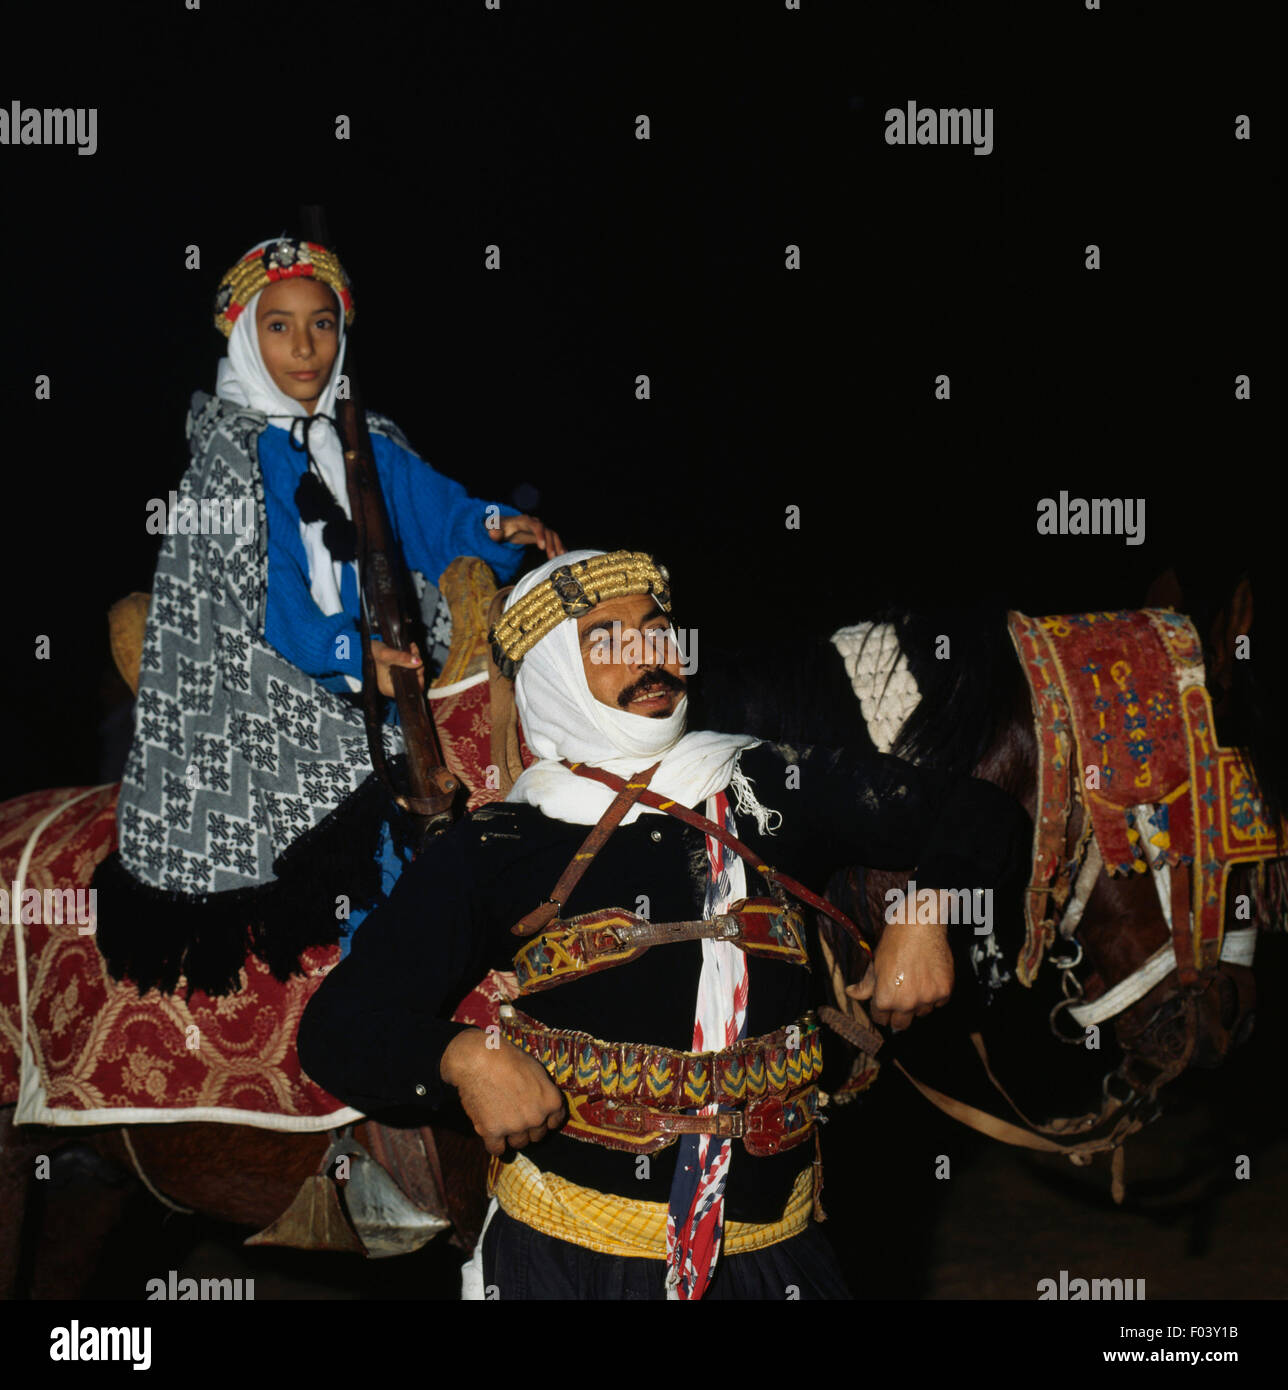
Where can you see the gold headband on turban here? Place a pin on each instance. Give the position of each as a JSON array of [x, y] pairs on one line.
[[571, 591], [284, 259]]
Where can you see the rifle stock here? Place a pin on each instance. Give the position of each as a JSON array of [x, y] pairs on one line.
[[432, 786], [385, 602]]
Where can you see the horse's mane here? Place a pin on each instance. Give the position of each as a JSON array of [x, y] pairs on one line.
[[1254, 720], [960, 715]]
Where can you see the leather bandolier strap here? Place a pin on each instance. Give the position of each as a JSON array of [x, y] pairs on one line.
[[595, 941], [627, 795], [632, 1096], [718, 832]]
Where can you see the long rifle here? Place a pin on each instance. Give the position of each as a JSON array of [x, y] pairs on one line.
[[385, 605]]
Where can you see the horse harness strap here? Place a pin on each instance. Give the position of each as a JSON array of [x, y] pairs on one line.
[[1189, 808], [1127, 1116], [718, 832]]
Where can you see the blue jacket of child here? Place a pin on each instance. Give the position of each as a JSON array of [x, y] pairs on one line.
[[433, 518]]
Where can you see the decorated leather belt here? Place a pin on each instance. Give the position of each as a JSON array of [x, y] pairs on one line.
[[612, 936], [631, 1096]]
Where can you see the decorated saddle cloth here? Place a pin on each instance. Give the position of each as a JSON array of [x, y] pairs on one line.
[[79, 1048], [1124, 722]]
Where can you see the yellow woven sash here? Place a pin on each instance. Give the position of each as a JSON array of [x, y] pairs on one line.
[[622, 1225]]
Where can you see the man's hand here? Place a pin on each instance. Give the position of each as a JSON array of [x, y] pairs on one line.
[[506, 1093], [386, 657], [910, 974], [527, 530]]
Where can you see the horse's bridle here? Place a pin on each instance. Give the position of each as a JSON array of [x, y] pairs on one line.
[[1129, 1102], [1238, 947]]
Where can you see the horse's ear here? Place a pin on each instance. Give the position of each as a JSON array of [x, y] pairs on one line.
[[1233, 621], [1240, 623], [1165, 591]]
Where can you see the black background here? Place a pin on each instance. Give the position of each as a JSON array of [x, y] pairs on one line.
[[770, 387]]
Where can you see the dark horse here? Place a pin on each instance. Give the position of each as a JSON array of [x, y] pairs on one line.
[[975, 715]]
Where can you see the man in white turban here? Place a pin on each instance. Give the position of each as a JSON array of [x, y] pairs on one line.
[[660, 1062]]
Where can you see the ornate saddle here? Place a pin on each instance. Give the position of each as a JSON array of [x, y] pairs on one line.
[[1125, 723]]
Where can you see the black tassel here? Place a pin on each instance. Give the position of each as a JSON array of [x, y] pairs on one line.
[[152, 936], [340, 536], [313, 499], [316, 501]]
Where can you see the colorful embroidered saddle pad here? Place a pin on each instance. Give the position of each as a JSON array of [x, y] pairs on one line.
[[94, 1052], [1124, 720]]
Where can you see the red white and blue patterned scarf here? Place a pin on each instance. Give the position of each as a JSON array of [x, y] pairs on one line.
[[695, 1219]]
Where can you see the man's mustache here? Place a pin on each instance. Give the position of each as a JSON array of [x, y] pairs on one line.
[[661, 677]]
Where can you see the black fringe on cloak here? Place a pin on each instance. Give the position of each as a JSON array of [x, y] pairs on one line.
[[151, 936]]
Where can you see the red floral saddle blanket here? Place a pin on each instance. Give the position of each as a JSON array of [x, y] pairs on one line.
[[1124, 720], [88, 1050]]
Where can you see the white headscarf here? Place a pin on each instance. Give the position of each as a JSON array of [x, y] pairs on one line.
[[562, 719], [244, 380]]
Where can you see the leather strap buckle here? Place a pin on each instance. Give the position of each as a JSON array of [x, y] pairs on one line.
[[766, 1126], [729, 928], [721, 928], [639, 1119], [614, 937]]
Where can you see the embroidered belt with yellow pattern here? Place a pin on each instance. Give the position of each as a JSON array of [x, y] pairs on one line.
[[612, 936], [627, 1095]]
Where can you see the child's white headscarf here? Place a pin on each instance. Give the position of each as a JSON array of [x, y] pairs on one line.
[[244, 380]]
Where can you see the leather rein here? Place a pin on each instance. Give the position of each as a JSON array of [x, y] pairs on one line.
[[1124, 1115]]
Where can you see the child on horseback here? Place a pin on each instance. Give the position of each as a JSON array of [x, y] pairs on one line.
[[248, 797]]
